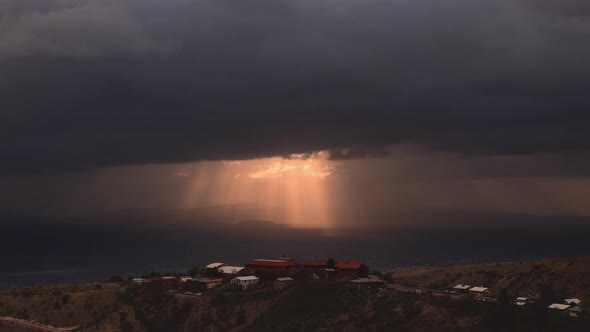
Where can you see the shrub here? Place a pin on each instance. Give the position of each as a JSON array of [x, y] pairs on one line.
[[65, 298], [241, 319], [126, 326], [115, 279]]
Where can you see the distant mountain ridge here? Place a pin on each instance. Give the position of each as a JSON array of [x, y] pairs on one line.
[[258, 216]]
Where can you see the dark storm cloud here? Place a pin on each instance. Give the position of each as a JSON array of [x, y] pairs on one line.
[[573, 8], [86, 84]]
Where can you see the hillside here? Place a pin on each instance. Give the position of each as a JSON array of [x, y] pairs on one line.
[[567, 277], [316, 305], [308, 306]]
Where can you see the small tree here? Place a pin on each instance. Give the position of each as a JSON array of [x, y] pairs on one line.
[[115, 279], [503, 298], [194, 271], [364, 272], [331, 263], [241, 317], [547, 294], [65, 298]]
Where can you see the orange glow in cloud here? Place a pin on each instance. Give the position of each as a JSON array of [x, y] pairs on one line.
[[291, 190], [296, 165]]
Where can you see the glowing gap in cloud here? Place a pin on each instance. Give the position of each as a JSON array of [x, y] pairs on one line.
[[293, 189]]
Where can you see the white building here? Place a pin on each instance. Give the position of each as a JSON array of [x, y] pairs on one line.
[[461, 288], [478, 290], [214, 266], [559, 306], [282, 283], [572, 301], [245, 282], [228, 269]]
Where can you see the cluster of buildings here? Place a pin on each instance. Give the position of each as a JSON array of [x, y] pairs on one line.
[[287, 266], [281, 271], [470, 289], [571, 306], [171, 282]]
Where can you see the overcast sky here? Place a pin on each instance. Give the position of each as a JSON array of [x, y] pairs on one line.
[[435, 92]]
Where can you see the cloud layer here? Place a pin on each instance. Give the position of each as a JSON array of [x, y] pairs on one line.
[[87, 84]]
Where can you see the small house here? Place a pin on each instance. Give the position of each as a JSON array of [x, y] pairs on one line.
[[230, 270], [350, 269], [520, 301], [185, 278], [478, 290], [575, 311], [314, 267], [211, 282], [459, 288], [164, 283], [282, 283], [138, 280], [367, 282], [245, 282], [573, 301]]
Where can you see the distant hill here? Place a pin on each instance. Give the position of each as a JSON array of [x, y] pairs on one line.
[[219, 214], [448, 219], [229, 214]]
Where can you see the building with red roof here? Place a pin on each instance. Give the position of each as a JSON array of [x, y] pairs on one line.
[[315, 267], [348, 265], [318, 263], [277, 266], [353, 269]]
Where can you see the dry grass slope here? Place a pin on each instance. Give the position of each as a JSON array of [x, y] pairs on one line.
[[567, 277]]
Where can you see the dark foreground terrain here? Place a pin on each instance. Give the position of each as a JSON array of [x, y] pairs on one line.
[[412, 299]]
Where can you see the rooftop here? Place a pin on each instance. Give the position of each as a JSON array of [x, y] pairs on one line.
[[285, 279], [478, 289], [462, 287], [283, 258], [348, 265], [316, 263], [246, 278], [271, 263], [208, 280], [215, 265], [227, 269], [572, 301], [559, 306]]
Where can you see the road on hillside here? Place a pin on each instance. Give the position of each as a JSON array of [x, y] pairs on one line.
[[37, 326]]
